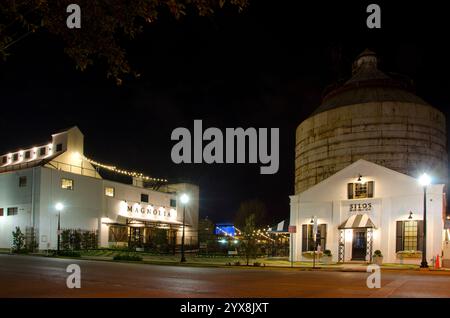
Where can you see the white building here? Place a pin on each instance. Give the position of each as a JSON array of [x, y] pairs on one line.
[[366, 207], [34, 180]]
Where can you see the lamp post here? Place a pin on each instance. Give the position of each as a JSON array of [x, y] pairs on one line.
[[59, 207], [184, 198], [424, 180]]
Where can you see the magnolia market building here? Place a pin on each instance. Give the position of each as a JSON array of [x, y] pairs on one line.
[[55, 180]]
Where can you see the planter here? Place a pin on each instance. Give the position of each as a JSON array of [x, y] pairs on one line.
[[327, 259], [378, 260], [409, 254], [309, 255]]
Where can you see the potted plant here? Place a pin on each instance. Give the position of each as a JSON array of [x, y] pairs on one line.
[[377, 257], [327, 257]]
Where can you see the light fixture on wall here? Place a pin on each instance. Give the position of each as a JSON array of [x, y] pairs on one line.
[[359, 178], [312, 220], [410, 215]]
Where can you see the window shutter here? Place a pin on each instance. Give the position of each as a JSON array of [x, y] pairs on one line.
[[399, 236], [350, 190], [420, 235], [370, 189], [304, 238], [323, 236]]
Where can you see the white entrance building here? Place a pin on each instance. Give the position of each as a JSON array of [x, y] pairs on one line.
[[366, 207]]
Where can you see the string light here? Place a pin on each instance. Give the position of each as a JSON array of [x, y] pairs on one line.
[[122, 171]]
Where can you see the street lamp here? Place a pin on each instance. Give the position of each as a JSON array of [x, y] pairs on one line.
[[424, 181], [184, 198], [59, 207]]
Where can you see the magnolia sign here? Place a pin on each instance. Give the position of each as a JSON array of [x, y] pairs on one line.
[[147, 212]]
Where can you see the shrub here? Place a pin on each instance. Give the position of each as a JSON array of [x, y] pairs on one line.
[[327, 253], [237, 263], [256, 264], [377, 253], [69, 253], [18, 240], [127, 257]]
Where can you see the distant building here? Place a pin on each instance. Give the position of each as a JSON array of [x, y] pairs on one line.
[[358, 157], [35, 182]]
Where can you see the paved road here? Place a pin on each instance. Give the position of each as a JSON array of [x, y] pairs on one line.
[[28, 276]]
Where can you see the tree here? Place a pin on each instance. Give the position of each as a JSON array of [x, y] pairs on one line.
[[18, 240], [248, 240], [247, 208], [104, 25]]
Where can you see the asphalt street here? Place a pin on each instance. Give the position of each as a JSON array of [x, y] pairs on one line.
[[30, 276]]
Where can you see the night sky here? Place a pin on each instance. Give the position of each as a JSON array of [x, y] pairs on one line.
[[265, 67]]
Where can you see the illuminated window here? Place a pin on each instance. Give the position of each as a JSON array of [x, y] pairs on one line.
[[360, 190], [144, 197], [23, 181], [58, 147], [173, 203], [42, 151], [109, 191], [409, 236], [1, 211], [67, 184], [27, 154], [12, 211], [15, 157], [308, 240]]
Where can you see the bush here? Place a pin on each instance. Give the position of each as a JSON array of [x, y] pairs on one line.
[[327, 253], [237, 263], [257, 264], [69, 254], [127, 257], [377, 253]]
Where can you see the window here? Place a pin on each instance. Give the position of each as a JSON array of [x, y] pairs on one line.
[[144, 197], [307, 237], [117, 233], [1, 211], [4, 159], [27, 154], [58, 147], [12, 211], [109, 191], [15, 157], [23, 181], [42, 151], [67, 184], [409, 236], [173, 203], [360, 190]]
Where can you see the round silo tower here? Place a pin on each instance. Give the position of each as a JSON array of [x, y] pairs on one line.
[[372, 116]]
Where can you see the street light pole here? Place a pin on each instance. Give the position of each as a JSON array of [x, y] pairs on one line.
[[424, 180], [183, 258], [184, 198], [59, 231], [424, 263]]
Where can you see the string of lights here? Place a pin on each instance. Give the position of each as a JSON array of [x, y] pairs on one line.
[[123, 171]]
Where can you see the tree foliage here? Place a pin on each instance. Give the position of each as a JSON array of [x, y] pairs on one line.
[[18, 240], [247, 208], [104, 24], [248, 241]]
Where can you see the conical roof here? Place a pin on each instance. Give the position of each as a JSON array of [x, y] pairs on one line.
[[369, 84]]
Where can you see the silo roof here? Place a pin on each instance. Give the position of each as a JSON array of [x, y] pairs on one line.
[[369, 84]]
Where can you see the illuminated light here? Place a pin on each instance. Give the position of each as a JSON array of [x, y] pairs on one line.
[[50, 149], [235, 241], [106, 220], [424, 180], [223, 241], [59, 206], [34, 153], [184, 198]]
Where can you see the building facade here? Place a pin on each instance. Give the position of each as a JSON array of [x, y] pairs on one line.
[[55, 181], [358, 157], [366, 207]]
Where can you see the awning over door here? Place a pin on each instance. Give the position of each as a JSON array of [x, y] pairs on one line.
[[357, 221]]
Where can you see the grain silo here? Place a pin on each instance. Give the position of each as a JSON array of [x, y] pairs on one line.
[[373, 116]]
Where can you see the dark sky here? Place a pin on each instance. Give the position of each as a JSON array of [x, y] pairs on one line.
[[266, 67]]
